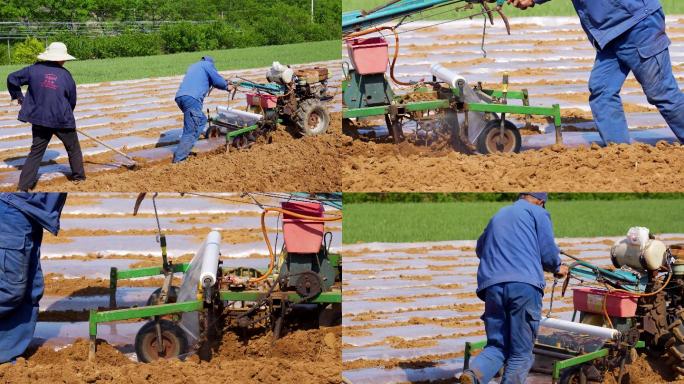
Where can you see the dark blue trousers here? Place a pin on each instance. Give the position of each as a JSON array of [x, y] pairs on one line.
[[511, 317], [21, 280], [653, 71], [194, 123]]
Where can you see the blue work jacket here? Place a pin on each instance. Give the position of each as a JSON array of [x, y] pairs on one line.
[[199, 78], [517, 246], [44, 208], [51, 97], [605, 20]]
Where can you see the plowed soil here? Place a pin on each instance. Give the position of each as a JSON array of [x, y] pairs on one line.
[[372, 167], [302, 357], [646, 371], [286, 164]]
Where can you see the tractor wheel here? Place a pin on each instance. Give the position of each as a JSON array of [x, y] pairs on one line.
[[312, 118], [175, 343], [570, 376], [490, 141], [154, 297], [574, 375], [676, 350]]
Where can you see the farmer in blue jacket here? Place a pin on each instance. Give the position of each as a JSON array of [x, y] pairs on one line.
[[629, 35], [515, 249], [49, 106], [23, 216], [198, 80]]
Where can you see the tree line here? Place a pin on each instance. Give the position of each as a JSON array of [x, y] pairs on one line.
[[200, 25]]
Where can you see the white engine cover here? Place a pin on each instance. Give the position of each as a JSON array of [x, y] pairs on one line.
[[280, 74], [638, 251]]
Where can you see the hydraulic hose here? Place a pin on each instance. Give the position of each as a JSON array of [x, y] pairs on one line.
[[264, 231], [611, 289]]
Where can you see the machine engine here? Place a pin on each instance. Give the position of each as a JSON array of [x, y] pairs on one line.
[[293, 97], [639, 251], [643, 297]]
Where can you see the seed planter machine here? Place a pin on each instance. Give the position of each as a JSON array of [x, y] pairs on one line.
[[300, 288], [445, 108], [295, 97], [638, 305]]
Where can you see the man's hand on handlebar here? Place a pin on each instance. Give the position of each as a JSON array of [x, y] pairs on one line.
[[562, 271]]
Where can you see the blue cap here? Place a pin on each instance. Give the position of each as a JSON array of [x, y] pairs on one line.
[[208, 58], [543, 196]]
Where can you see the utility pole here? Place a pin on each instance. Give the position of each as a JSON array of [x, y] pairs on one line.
[[312, 11]]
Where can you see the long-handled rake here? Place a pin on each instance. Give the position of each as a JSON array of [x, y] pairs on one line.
[[132, 163]]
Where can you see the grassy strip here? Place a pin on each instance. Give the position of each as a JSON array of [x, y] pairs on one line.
[[127, 68], [414, 222], [552, 8]]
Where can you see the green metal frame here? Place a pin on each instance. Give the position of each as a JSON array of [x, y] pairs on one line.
[[553, 111], [412, 106], [558, 366], [97, 317], [241, 131], [416, 106]]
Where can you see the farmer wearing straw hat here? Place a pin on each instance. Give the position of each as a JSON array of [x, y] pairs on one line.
[[49, 105]]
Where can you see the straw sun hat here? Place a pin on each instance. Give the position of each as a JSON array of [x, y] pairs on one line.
[[56, 52]]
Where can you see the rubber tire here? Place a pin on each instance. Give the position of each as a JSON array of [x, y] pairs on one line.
[[494, 125], [173, 295], [170, 331], [306, 108], [570, 376], [676, 351]]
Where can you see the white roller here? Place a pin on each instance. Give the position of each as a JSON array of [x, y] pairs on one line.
[[243, 114], [585, 329], [453, 79], [210, 259]]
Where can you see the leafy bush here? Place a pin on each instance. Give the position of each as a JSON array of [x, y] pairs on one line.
[[124, 45], [220, 25], [4, 60], [26, 51]]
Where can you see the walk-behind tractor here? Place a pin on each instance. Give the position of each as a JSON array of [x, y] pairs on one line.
[[300, 288], [637, 305], [445, 108], [294, 97]]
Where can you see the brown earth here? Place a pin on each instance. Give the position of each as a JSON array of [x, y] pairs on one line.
[[57, 285], [646, 371], [302, 357], [231, 236], [286, 164], [371, 167]]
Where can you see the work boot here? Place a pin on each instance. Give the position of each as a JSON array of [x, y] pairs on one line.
[[467, 379]]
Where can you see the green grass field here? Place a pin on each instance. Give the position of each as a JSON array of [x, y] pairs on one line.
[[126, 68], [414, 222], [552, 8]]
